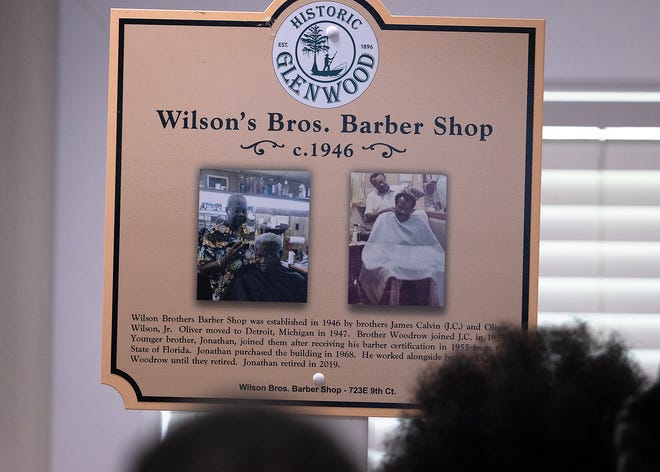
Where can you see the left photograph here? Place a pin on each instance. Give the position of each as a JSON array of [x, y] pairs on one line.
[[253, 235]]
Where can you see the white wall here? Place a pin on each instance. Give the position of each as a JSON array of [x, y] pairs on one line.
[[591, 43], [27, 73], [588, 42]]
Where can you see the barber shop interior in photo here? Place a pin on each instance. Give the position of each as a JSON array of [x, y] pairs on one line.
[[599, 255], [278, 202], [424, 273]]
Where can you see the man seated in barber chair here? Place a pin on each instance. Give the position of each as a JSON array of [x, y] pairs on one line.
[[402, 262]]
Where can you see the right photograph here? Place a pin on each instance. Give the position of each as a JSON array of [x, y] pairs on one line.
[[398, 238]]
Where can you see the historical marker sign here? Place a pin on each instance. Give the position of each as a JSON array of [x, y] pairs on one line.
[[306, 129]]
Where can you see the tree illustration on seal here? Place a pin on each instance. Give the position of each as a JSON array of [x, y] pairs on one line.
[[315, 42]]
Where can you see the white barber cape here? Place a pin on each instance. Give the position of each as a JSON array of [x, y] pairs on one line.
[[404, 251]]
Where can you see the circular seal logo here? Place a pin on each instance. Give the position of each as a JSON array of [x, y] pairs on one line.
[[325, 54]]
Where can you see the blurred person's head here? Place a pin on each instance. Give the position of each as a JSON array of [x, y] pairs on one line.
[[244, 440], [541, 400], [637, 434]]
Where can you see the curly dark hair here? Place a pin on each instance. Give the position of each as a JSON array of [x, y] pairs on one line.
[[637, 433], [544, 400]]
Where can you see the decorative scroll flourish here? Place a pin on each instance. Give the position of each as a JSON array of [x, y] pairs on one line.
[[256, 147], [387, 153]]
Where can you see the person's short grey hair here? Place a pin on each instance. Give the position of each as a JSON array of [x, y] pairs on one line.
[[270, 239]]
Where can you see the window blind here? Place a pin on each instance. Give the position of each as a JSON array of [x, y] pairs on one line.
[[599, 256]]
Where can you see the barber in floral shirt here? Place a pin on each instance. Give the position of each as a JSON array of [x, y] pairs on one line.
[[226, 248]]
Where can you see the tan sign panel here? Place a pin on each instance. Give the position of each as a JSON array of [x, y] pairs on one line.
[[310, 205]]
